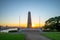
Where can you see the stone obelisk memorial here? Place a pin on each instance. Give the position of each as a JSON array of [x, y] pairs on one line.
[[29, 24]]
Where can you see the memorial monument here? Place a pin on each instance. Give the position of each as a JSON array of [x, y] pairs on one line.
[[29, 24]]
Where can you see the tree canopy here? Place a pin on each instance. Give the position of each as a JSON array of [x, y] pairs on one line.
[[53, 23]]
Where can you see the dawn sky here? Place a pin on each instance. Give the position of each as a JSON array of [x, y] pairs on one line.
[[10, 10]]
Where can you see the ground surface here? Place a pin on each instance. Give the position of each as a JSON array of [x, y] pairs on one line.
[[30, 35], [52, 35], [35, 36], [9, 36]]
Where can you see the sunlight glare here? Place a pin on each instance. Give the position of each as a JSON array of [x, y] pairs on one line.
[[33, 25]]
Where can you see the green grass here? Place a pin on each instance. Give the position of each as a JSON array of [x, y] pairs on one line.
[[8, 36], [53, 35]]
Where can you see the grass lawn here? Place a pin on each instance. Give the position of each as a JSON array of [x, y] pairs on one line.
[[53, 35], [8, 36]]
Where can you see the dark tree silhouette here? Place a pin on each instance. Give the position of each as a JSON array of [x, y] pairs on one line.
[[57, 23], [53, 23]]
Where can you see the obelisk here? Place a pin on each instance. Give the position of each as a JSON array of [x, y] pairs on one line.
[[29, 24]]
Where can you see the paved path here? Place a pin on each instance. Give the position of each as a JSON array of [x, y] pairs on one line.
[[35, 36]]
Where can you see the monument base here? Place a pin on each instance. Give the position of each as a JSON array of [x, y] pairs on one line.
[[30, 30]]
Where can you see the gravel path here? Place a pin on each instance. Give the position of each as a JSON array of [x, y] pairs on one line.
[[35, 36]]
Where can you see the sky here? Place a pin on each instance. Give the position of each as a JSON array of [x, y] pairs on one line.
[[10, 10]]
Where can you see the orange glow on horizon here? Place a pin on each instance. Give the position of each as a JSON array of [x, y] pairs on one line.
[[24, 25]]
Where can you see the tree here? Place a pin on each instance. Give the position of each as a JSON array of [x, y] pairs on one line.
[[53, 23], [57, 23]]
